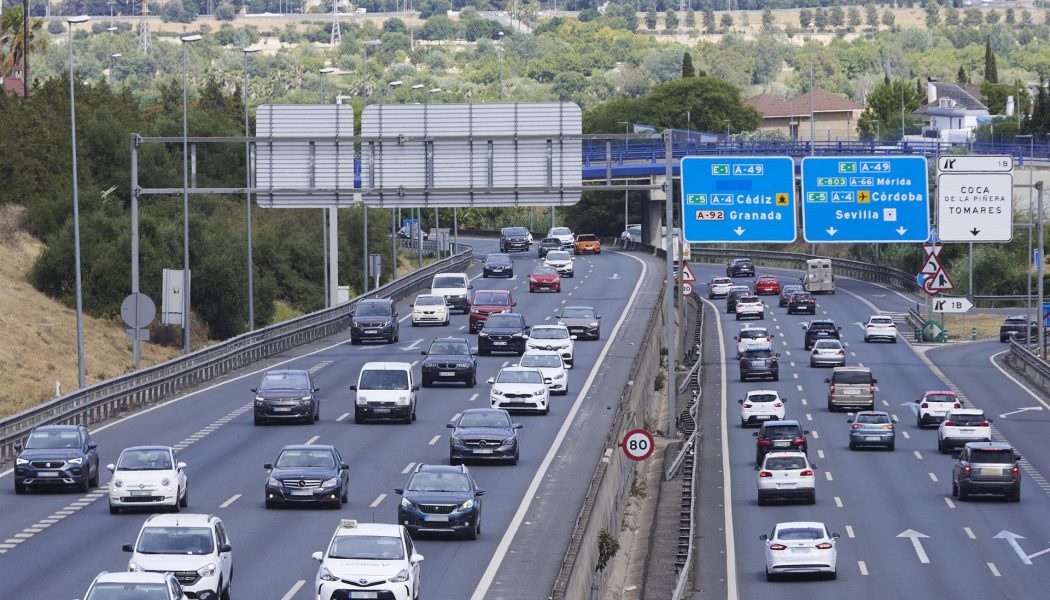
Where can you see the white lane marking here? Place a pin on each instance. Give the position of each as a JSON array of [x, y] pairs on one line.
[[799, 387], [795, 375], [809, 417], [455, 416], [415, 362], [434, 440], [949, 502], [312, 440], [884, 403], [838, 502], [816, 435], [314, 369], [408, 468], [994, 570], [295, 588], [827, 475], [849, 531], [863, 567], [906, 435], [230, 501], [472, 398], [852, 353], [376, 502], [342, 417], [804, 402], [820, 454], [1015, 380], [505, 363], [792, 363], [969, 533], [917, 454], [933, 477], [787, 352], [462, 327]]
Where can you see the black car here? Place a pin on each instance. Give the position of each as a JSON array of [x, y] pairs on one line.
[[503, 332], [483, 434], [546, 245], [987, 468], [734, 294], [740, 267], [56, 456], [440, 499], [759, 363], [449, 359], [1015, 326], [780, 436], [497, 265], [314, 474], [801, 302], [823, 329], [374, 319], [581, 321], [286, 395], [787, 292], [514, 238]]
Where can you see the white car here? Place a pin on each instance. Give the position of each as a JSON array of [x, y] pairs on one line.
[[122, 585], [146, 477], [761, 405], [519, 388], [750, 306], [194, 547], [368, 557], [564, 235], [385, 390], [752, 338], [880, 328], [786, 475], [430, 309], [554, 338], [551, 366], [962, 425], [800, 547], [560, 260], [455, 288], [827, 353], [718, 287], [934, 405]]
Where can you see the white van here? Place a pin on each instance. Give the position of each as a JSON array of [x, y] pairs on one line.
[[819, 277], [385, 391], [455, 287]]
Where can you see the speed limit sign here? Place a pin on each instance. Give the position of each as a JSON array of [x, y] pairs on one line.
[[637, 444], [687, 289]]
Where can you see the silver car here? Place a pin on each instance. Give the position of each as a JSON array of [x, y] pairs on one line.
[[872, 428], [827, 353]]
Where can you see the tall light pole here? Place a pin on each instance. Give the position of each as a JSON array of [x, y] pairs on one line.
[[500, 66], [248, 194], [321, 73], [186, 346], [1031, 225], [626, 205], [324, 211], [112, 76], [81, 372]]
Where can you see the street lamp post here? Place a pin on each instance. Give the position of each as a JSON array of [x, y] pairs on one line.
[[416, 88], [248, 194], [1031, 225], [186, 346], [324, 211], [81, 370], [727, 122], [500, 66], [626, 205], [112, 76]]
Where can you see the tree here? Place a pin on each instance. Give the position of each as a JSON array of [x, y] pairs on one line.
[[690, 18], [1010, 18], [991, 72], [888, 19], [687, 66], [962, 77], [767, 17], [12, 41], [1026, 18], [972, 18], [670, 20], [820, 18], [951, 16], [439, 27], [805, 18], [837, 17], [709, 20], [853, 17], [650, 20], [871, 16], [726, 22], [429, 8], [225, 11], [883, 114], [933, 14]]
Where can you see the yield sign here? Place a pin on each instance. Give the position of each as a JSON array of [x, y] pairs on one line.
[[687, 273]]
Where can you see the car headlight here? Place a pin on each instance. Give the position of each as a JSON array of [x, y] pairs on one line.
[[509, 441], [469, 504], [207, 570], [594, 324], [401, 577], [462, 365], [76, 461], [482, 333], [330, 482], [475, 311], [540, 392], [406, 503], [21, 461], [273, 481], [560, 375], [355, 323], [134, 567], [118, 483], [326, 575], [259, 399], [305, 399], [165, 482], [457, 441], [517, 335], [496, 392]]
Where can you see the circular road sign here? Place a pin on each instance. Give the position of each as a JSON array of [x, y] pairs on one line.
[[637, 444], [138, 310], [687, 289]]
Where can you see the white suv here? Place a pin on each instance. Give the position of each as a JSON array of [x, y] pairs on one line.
[[520, 388], [364, 560], [962, 425], [786, 475], [750, 306], [564, 235], [132, 586], [195, 548], [385, 390], [148, 476], [761, 405], [551, 366], [560, 260], [752, 337], [934, 405], [880, 328], [555, 338]]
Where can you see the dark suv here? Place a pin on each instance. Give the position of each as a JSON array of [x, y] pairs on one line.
[[735, 293], [740, 267], [546, 245], [284, 395], [57, 456], [801, 302], [449, 360], [483, 434], [514, 238], [759, 363], [1015, 326], [497, 265], [503, 332], [987, 468], [440, 499], [780, 436], [823, 329], [374, 319], [314, 474]]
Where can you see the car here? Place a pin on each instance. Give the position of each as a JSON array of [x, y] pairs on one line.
[[760, 406], [800, 547], [307, 475], [377, 558], [497, 265], [962, 425], [449, 360], [551, 366], [750, 306], [760, 363], [286, 395], [821, 329], [488, 302], [734, 294], [503, 332], [514, 239], [385, 391], [767, 284], [148, 477], [430, 309], [405, 233], [520, 388], [934, 405], [827, 353], [195, 548], [783, 435], [872, 428], [740, 267], [125, 585], [633, 232], [718, 287], [587, 243], [851, 388], [560, 260], [880, 327], [546, 245], [752, 337], [374, 319], [556, 338], [544, 278], [786, 476], [786, 292], [56, 456], [987, 468], [564, 235], [455, 287], [582, 321], [441, 499], [802, 302], [483, 434], [1016, 326]]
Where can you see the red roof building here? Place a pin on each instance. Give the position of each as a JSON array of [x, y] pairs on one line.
[[834, 117]]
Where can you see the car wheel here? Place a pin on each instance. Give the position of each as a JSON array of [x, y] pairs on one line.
[[547, 409], [114, 510], [743, 378], [812, 364], [776, 376], [19, 488], [743, 423], [270, 504], [317, 415], [185, 501], [473, 381], [964, 494], [955, 489], [258, 420], [761, 501], [852, 446], [812, 499], [226, 592], [473, 533], [354, 341], [891, 446], [919, 423], [1015, 496], [770, 576], [413, 413], [413, 323], [175, 507], [447, 321], [345, 498], [514, 460], [94, 479], [941, 446], [86, 485], [359, 417]]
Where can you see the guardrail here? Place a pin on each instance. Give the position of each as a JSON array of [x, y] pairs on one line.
[[848, 268], [1030, 364], [127, 392], [694, 408]]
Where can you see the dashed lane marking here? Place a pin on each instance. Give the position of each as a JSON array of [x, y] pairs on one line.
[[849, 531], [472, 398], [408, 468], [312, 440], [295, 589], [994, 570], [342, 417], [838, 502], [230, 501], [376, 502], [434, 440], [820, 454], [827, 475], [906, 435], [969, 533], [933, 477], [949, 502], [863, 567]]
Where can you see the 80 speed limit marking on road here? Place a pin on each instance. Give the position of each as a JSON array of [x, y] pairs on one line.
[[637, 444]]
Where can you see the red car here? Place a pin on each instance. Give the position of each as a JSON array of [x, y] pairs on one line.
[[488, 302], [767, 284], [545, 278]]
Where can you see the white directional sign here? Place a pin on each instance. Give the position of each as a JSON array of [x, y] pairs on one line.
[[952, 305], [975, 198]]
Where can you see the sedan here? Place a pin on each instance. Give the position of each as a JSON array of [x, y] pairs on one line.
[[581, 321], [284, 395], [483, 434], [544, 278], [786, 476], [802, 547], [551, 366], [872, 428], [497, 265], [718, 287], [314, 474], [786, 292], [801, 302], [767, 284], [827, 353]]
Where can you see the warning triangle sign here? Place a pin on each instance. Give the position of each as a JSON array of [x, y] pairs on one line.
[[932, 266], [939, 282], [687, 273]]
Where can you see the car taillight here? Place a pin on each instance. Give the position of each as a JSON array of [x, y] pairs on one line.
[[764, 443], [1016, 472], [806, 473], [949, 423], [871, 388], [983, 424], [833, 389], [856, 426], [957, 405], [777, 547], [823, 546], [778, 404], [887, 426], [798, 441], [842, 353], [747, 405], [925, 405], [764, 474]]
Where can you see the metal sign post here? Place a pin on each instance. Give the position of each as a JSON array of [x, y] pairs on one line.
[[669, 315]]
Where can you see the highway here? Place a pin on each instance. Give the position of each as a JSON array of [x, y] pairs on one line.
[[903, 535], [53, 544]]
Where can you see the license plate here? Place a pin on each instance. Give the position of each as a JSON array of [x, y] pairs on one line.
[[781, 443], [499, 343], [872, 438], [483, 451], [301, 493], [992, 470], [139, 493], [850, 392], [446, 374], [382, 411], [785, 485], [799, 550], [282, 409], [966, 431], [371, 331], [47, 474], [436, 518], [364, 595]]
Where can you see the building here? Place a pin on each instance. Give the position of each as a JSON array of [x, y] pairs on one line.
[[834, 117], [13, 86], [951, 112]]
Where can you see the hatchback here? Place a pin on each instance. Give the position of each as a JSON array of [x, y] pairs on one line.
[[786, 292], [786, 476], [871, 428], [760, 406], [801, 302], [767, 284], [962, 425]]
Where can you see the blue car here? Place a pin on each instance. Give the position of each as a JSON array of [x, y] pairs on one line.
[[872, 428], [440, 499], [56, 456]]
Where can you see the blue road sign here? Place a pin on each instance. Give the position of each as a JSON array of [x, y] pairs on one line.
[[1046, 314], [738, 199], [857, 199]]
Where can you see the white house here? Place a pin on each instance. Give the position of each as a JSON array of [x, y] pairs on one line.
[[951, 112]]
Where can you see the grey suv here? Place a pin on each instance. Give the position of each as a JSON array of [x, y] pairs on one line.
[[987, 468], [851, 388], [514, 239], [374, 319]]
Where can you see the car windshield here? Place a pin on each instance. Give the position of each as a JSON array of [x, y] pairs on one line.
[[781, 431], [762, 398], [42, 440], [767, 279], [285, 381], [519, 377], [430, 301], [192, 541], [541, 360], [557, 255], [742, 261], [828, 345], [459, 348], [800, 533], [1015, 321], [484, 419], [550, 333], [940, 398], [383, 379], [872, 418], [306, 459], [550, 241], [822, 327], [144, 460], [851, 378], [449, 281], [748, 300], [436, 481], [128, 591], [991, 455], [784, 463], [503, 321], [367, 547], [548, 271], [561, 231], [798, 297], [754, 334], [517, 231], [491, 299], [586, 237], [721, 281], [881, 321], [791, 289], [966, 419], [758, 354], [372, 309], [497, 258], [578, 313]]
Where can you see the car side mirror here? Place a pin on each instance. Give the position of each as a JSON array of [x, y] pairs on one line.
[[754, 434], [873, 380], [110, 467], [805, 432], [344, 467], [415, 388], [763, 537], [513, 303], [491, 380], [479, 492], [225, 548], [424, 352], [839, 328], [180, 466], [757, 468], [557, 315], [827, 380], [989, 420], [127, 548], [415, 558], [813, 466], [352, 388], [739, 401], [316, 389], [777, 354], [92, 446], [18, 447], [254, 390], [849, 420], [1018, 456], [835, 536], [411, 305], [598, 317], [519, 426], [268, 466], [956, 452], [470, 286], [399, 491], [318, 556], [450, 425]]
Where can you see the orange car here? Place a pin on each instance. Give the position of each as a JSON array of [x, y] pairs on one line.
[[587, 242]]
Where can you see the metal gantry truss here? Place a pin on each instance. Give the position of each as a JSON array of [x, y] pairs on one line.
[[337, 36], [144, 35]]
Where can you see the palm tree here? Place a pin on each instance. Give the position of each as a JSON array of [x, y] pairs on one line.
[[12, 41]]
